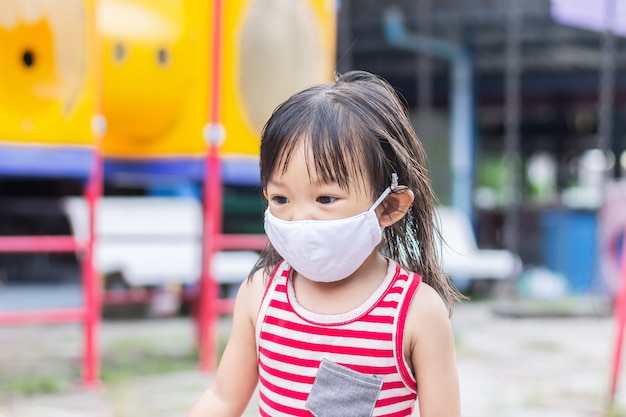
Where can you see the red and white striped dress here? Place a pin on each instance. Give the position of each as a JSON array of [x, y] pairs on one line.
[[292, 342]]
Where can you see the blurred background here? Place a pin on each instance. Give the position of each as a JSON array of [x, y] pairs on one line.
[[116, 115], [536, 89]]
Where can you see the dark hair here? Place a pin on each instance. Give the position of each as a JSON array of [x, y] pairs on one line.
[[357, 127]]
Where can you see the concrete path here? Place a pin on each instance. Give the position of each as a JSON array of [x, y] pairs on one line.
[[509, 367]]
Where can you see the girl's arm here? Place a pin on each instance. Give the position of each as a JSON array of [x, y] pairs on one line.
[[432, 355], [237, 372]]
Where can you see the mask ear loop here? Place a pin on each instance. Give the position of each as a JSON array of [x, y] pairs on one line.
[[394, 185]]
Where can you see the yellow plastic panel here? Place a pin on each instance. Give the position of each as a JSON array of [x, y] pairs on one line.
[[156, 74], [272, 49], [47, 87], [157, 69]]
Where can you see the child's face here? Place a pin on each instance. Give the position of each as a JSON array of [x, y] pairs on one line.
[[297, 194]]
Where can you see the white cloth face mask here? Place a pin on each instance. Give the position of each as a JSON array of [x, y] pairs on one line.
[[327, 250]]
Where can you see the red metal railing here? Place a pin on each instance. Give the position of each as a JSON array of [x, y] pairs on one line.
[[21, 244], [212, 193], [210, 305], [89, 313]]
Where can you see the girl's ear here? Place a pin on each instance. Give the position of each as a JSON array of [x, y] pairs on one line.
[[394, 207], [265, 193]]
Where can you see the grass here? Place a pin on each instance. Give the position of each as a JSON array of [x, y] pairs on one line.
[[37, 384], [122, 358], [133, 362], [616, 411]]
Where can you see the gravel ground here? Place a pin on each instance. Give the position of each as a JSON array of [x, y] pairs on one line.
[[509, 367]]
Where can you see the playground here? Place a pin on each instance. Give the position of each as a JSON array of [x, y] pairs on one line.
[[112, 197]]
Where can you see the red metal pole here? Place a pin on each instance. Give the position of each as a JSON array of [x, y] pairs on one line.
[[208, 286], [42, 316], [620, 317], [91, 283], [212, 208], [242, 241], [23, 244], [93, 192]]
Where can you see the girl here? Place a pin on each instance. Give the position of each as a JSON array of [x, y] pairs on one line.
[[332, 320]]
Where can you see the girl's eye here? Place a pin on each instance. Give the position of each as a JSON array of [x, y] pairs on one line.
[[279, 199], [326, 199]]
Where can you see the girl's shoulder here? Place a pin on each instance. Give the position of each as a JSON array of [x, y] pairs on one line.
[[427, 308], [253, 290], [250, 294], [427, 301], [427, 320]]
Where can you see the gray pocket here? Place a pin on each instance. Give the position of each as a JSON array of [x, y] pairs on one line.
[[341, 391]]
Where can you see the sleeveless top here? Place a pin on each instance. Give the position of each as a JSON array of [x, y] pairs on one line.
[[349, 364]]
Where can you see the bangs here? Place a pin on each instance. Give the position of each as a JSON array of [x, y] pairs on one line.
[[340, 148]]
